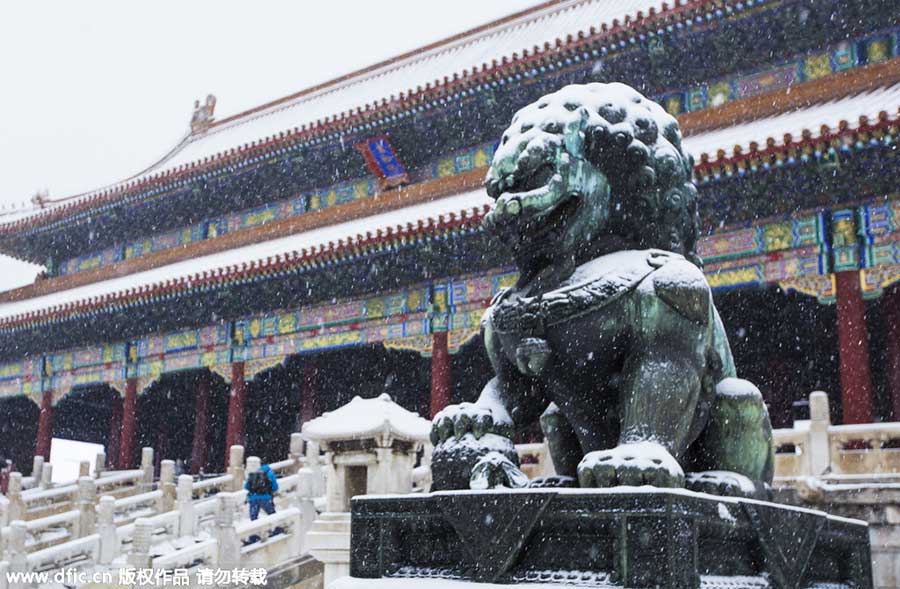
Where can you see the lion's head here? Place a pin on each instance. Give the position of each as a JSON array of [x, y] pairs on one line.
[[591, 169]]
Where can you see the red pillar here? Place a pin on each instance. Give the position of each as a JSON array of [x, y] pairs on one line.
[[853, 342], [115, 430], [891, 309], [201, 408], [45, 426], [129, 425], [309, 394], [440, 372], [234, 434]]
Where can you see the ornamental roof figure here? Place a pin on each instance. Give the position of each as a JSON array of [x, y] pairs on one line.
[[203, 115]]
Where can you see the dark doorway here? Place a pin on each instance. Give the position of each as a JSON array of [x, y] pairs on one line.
[[18, 431], [272, 407], [165, 418], [786, 344], [85, 413]]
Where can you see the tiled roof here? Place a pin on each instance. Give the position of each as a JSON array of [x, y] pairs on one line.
[[307, 247], [847, 118], [487, 49], [808, 122]]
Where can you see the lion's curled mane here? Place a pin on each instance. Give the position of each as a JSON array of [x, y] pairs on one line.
[[637, 145]]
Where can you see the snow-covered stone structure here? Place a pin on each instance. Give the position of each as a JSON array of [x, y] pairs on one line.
[[371, 447], [119, 521]]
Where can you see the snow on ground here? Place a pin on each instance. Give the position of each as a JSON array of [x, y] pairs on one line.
[[65, 456]]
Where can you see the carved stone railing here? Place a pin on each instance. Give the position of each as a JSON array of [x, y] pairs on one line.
[[45, 500], [817, 448], [102, 530]]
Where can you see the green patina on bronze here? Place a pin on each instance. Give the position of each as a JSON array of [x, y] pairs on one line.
[[610, 338]]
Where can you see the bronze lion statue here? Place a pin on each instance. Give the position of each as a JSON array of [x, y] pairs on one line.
[[610, 338]]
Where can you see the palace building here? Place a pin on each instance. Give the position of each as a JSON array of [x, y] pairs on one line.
[[280, 261]]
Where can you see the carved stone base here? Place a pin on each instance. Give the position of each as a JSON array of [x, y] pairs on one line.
[[631, 537]]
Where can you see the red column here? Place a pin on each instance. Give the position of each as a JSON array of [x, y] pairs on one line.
[[309, 394], [853, 342], [235, 432], [129, 425], [201, 408], [115, 430], [440, 372], [45, 426], [891, 309]]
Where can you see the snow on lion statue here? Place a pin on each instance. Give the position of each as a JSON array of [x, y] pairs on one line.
[[610, 338]]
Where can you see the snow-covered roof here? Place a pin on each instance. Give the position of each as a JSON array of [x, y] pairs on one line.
[[368, 418], [421, 68], [312, 239], [850, 109], [868, 104], [846, 112], [427, 67]]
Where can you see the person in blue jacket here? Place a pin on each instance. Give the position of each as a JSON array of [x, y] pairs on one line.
[[261, 486]]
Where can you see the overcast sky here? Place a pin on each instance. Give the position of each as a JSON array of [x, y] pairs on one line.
[[94, 91]]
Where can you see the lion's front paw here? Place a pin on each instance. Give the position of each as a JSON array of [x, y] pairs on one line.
[[496, 470], [725, 483], [640, 463], [458, 420]]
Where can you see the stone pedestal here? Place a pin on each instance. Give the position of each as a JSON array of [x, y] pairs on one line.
[[329, 542], [866, 499], [598, 538]]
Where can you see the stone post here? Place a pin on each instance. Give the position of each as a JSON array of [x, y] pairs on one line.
[[185, 503], [146, 466], [167, 485], [853, 344], [295, 452], [84, 468], [4, 520], [440, 372], [106, 529], [99, 464], [229, 555], [37, 467], [129, 425], [314, 464], [16, 553], [47, 476], [139, 557], [253, 464], [87, 498], [14, 494], [303, 499], [236, 467], [379, 475], [335, 485], [819, 448]]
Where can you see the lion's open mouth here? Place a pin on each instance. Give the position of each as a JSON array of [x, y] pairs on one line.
[[557, 219], [538, 178]]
